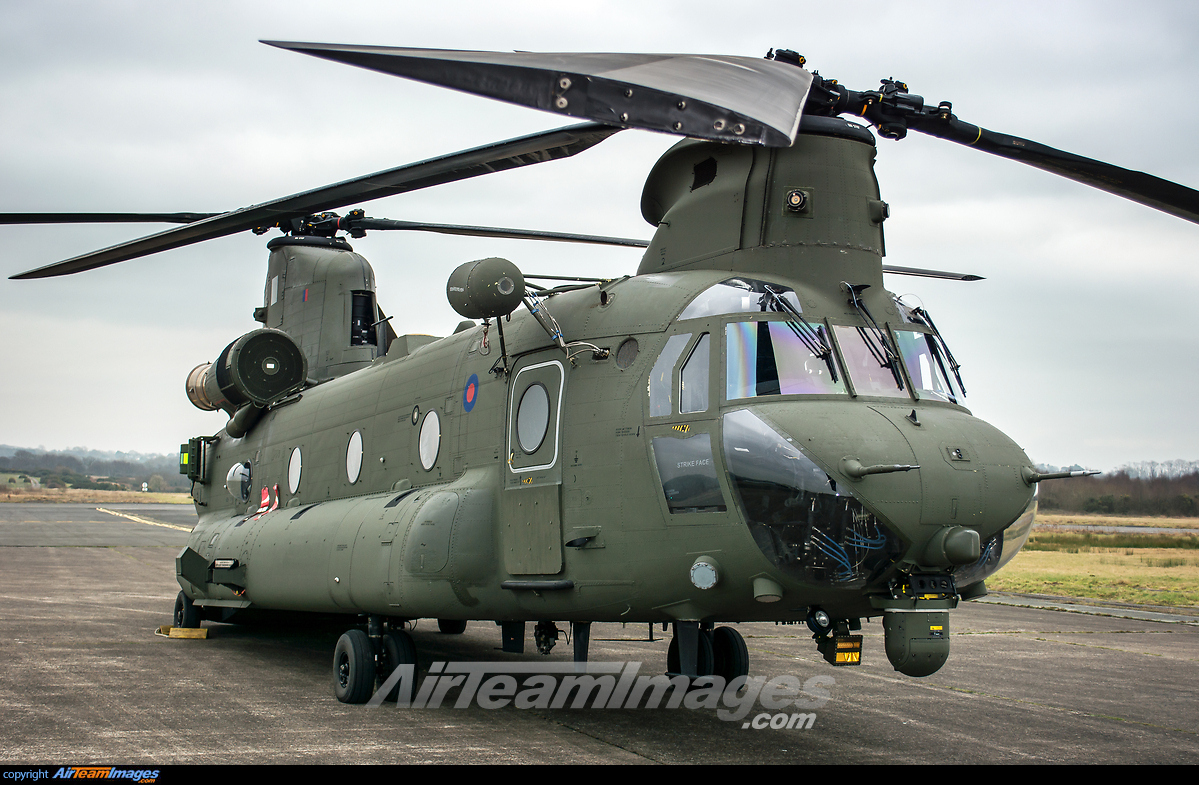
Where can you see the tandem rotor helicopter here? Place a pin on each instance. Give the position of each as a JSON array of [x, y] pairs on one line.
[[750, 427]]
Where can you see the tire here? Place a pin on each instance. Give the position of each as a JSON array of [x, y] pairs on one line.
[[353, 668], [451, 626], [187, 614], [398, 649], [730, 656], [703, 660]]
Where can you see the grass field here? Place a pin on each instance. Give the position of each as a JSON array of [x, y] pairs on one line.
[[23, 491], [79, 496], [1086, 519], [1149, 569]]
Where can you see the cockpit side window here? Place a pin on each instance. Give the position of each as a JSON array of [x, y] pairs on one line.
[[693, 388], [661, 376], [688, 474]]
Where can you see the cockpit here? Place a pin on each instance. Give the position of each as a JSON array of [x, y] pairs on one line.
[[715, 447]]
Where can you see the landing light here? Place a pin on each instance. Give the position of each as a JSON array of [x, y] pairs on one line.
[[819, 621], [704, 573]]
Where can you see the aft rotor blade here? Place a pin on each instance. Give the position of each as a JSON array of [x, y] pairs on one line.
[[102, 218], [718, 97], [1169, 197], [378, 224], [525, 150]]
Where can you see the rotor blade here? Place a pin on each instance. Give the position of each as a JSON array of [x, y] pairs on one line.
[[1169, 197], [718, 97], [102, 218], [525, 150], [377, 224], [890, 268]]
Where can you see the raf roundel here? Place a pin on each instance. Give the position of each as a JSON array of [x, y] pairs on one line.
[[470, 393]]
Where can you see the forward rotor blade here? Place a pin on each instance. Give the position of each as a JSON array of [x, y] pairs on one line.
[[722, 98], [102, 218], [922, 273], [1164, 195], [377, 224], [525, 150]]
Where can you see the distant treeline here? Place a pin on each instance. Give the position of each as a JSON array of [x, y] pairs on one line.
[[1148, 470], [1123, 494], [54, 469]]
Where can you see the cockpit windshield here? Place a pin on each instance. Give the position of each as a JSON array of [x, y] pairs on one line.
[[772, 358], [869, 368], [925, 366]]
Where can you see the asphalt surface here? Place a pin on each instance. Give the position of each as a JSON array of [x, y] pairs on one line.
[[85, 679]]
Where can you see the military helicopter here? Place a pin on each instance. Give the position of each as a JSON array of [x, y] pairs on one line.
[[749, 428]]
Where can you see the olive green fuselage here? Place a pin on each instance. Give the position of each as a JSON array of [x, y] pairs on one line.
[[598, 508]]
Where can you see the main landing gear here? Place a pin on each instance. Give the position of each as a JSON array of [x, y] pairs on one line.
[[451, 626], [700, 650], [363, 660], [187, 614]]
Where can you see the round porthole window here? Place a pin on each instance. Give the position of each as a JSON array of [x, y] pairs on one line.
[[293, 471], [430, 440], [533, 418], [237, 481], [354, 457], [627, 353]]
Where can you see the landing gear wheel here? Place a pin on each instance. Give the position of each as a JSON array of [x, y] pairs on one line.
[[353, 668], [703, 660], [731, 657], [397, 649], [187, 614], [451, 626]]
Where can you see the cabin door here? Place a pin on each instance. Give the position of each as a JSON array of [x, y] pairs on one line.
[[531, 506]]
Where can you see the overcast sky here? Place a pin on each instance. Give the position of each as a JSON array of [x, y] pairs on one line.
[[1081, 344]]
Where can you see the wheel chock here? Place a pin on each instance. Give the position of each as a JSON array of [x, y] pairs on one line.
[[197, 633]]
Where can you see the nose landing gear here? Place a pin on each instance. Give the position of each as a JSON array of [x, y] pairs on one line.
[[718, 652]]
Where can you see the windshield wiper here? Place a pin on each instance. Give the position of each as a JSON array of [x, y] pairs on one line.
[[813, 338], [883, 352], [922, 317]]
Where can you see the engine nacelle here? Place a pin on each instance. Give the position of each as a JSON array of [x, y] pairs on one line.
[[260, 367], [486, 288]]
